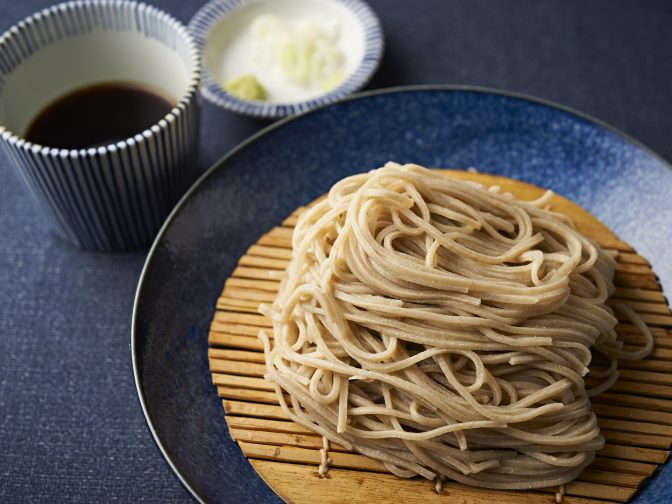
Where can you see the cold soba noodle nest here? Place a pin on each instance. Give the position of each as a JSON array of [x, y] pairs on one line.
[[445, 329]]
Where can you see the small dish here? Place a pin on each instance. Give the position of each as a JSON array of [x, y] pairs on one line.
[[222, 29]]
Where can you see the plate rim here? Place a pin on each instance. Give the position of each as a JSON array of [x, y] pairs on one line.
[[137, 301]]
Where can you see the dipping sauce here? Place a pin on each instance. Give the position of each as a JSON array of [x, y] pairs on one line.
[[98, 115]]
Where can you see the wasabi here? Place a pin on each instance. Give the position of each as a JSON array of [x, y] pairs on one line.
[[246, 87]]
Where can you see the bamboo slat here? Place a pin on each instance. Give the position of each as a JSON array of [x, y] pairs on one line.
[[635, 416], [623, 466]]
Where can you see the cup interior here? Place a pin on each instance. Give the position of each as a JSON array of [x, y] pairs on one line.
[[66, 49]]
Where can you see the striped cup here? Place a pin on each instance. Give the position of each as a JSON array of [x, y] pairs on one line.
[[113, 197]]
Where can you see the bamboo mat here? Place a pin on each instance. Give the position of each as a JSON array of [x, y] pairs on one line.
[[635, 415]]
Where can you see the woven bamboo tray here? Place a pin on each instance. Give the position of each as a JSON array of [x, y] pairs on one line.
[[634, 415]]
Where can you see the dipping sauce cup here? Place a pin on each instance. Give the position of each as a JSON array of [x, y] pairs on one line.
[[104, 197]]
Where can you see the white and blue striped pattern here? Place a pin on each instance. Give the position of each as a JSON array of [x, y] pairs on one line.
[[210, 14], [113, 197]]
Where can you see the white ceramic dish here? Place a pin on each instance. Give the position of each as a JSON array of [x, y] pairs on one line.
[[222, 31]]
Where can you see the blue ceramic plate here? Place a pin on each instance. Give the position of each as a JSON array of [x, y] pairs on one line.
[[292, 162]]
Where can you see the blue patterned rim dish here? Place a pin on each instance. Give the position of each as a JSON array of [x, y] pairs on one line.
[[207, 18], [112, 197], [290, 163]]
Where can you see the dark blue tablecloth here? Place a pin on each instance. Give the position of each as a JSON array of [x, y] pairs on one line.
[[71, 428]]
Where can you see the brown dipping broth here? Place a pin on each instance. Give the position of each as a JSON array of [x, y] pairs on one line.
[[98, 115]]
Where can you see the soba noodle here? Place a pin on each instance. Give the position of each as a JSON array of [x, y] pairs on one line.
[[445, 329]]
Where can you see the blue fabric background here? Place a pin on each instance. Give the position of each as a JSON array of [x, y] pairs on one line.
[[71, 429]]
